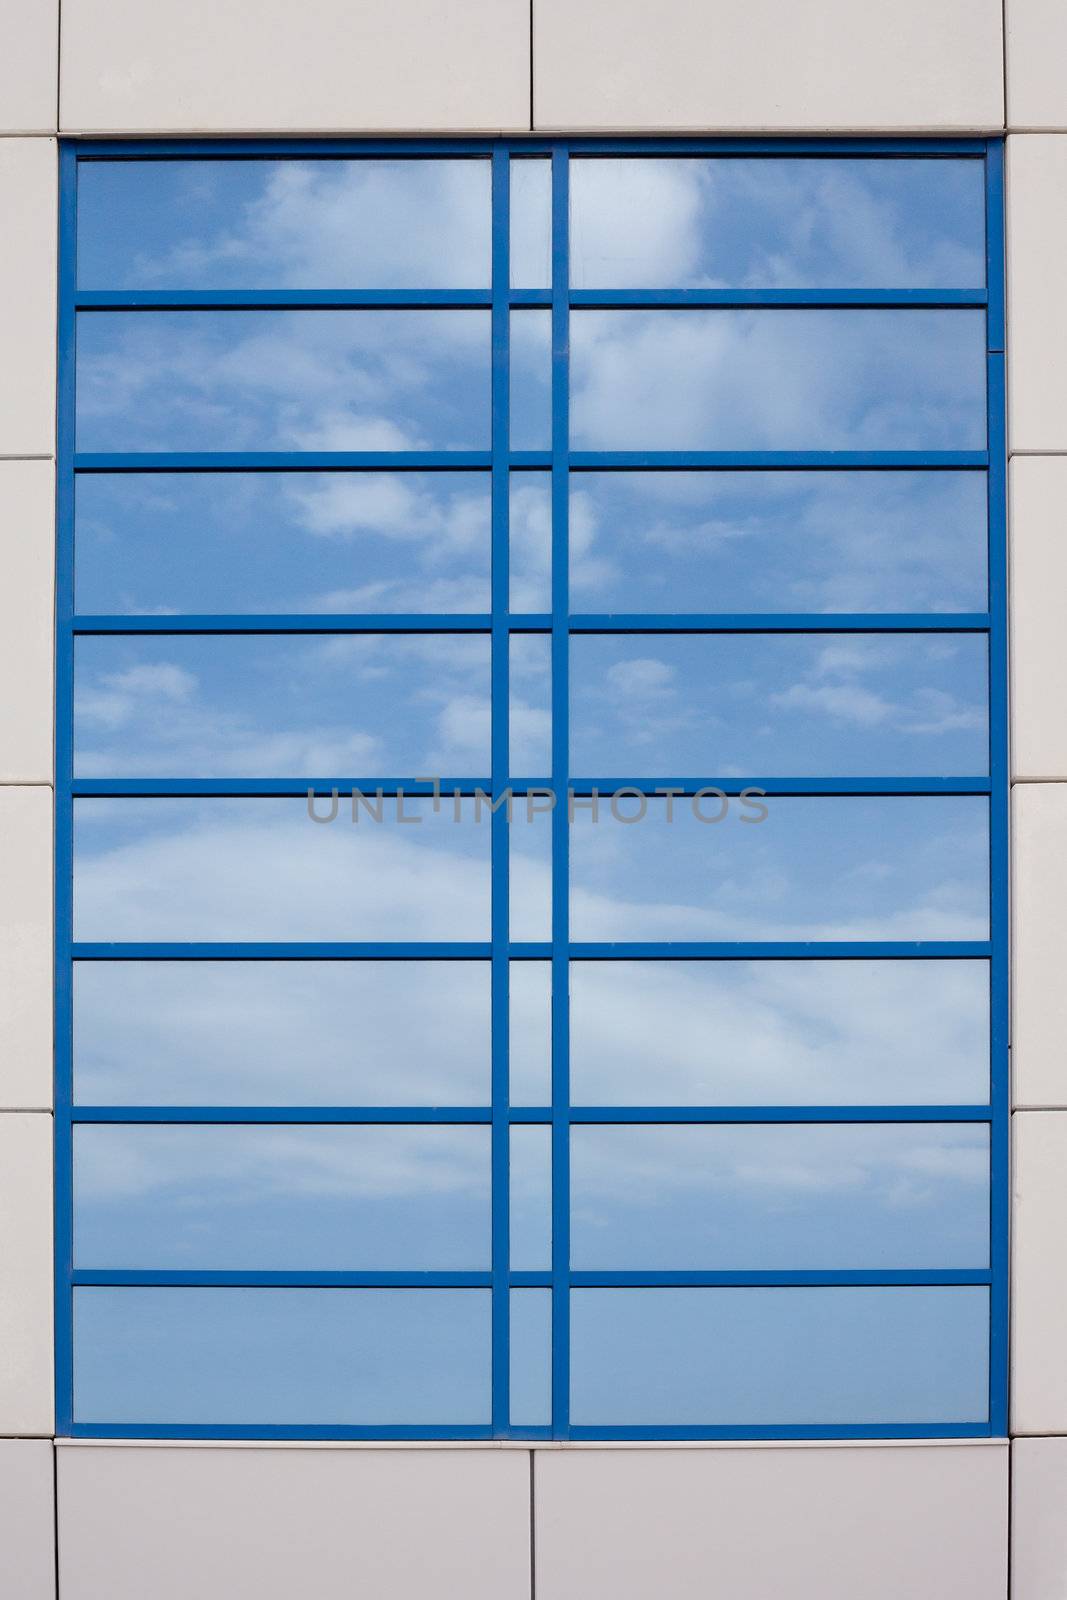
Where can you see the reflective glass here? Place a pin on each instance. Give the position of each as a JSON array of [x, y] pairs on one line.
[[531, 1198], [788, 1357], [777, 222], [343, 705], [285, 1357], [780, 1198], [530, 878], [283, 380], [530, 656], [531, 222], [530, 1051], [772, 1033], [277, 1033], [155, 543], [778, 541], [531, 380], [787, 704], [282, 1199], [530, 1337], [530, 541], [814, 868], [778, 380], [260, 869], [368, 223]]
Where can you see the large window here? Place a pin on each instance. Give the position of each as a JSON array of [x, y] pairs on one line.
[[531, 790]]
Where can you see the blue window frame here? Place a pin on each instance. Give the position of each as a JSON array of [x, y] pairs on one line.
[[680, 1130]]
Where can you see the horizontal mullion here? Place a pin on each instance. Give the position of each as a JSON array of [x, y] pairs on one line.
[[578, 1115], [942, 299], [421, 787], [782, 622], [761, 460], [527, 145], [281, 460], [522, 950], [318, 1432], [119, 1278], [148, 1278], [314, 622], [466, 1432]]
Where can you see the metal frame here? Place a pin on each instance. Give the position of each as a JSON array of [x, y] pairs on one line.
[[558, 625]]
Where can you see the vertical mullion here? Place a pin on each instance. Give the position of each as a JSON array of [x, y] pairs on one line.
[[500, 489], [999, 799], [64, 863], [560, 815]]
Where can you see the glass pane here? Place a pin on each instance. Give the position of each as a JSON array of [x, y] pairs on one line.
[[780, 703], [531, 1358], [531, 704], [531, 380], [787, 222], [778, 541], [154, 543], [778, 380], [531, 222], [282, 1199], [531, 1199], [312, 1357], [815, 868], [262, 870], [277, 1033], [278, 224], [780, 1198], [530, 544], [770, 1033], [348, 705], [530, 841], [779, 1357], [283, 380], [530, 1053]]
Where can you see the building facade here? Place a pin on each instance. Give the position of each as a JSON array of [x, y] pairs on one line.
[[536, 1368]]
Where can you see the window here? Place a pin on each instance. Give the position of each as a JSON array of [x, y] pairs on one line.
[[531, 786]]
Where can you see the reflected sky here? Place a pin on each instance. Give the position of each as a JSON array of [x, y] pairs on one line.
[[152, 544], [367, 223], [779, 1198], [283, 380], [350, 705], [530, 420], [530, 1341], [285, 1356], [839, 868], [531, 222], [777, 222], [259, 869], [778, 541], [778, 380], [739, 704], [779, 1032], [530, 1047], [275, 1198], [296, 1033], [530, 1180], [781, 1356]]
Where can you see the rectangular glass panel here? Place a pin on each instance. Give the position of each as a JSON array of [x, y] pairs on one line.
[[282, 1199], [531, 222], [788, 1357], [365, 223], [779, 1033], [261, 542], [777, 222], [788, 704], [530, 541], [282, 1357], [530, 1052], [814, 868], [780, 1198], [343, 705], [778, 541], [260, 869], [531, 1358], [531, 380], [687, 379], [283, 380], [277, 1033], [531, 1198], [530, 656], [530, 851]]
